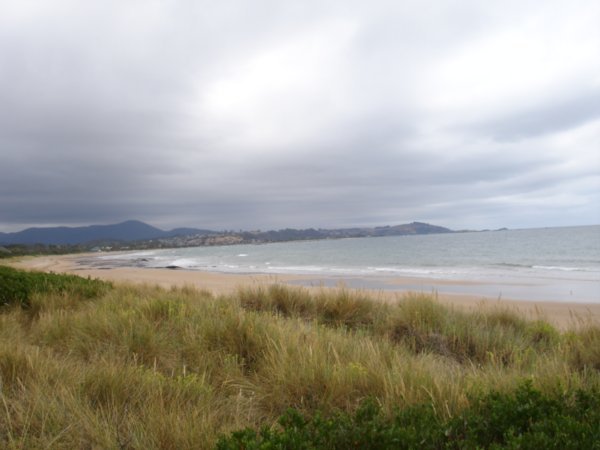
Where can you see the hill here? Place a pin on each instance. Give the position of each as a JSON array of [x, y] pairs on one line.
[[291, 234], [136, 231], [131, 230]]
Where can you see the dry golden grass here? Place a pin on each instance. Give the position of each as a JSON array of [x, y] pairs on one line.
[[143, 367]]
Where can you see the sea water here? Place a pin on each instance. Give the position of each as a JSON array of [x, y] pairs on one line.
[[556, 261]]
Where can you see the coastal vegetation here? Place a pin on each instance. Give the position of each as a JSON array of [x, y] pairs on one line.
[[89, 364], [15, 250], [134, 234]]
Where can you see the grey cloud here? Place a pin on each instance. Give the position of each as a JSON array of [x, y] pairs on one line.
[[553, 117], [106, 116]]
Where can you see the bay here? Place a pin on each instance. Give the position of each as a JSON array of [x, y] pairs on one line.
[[556, 263]]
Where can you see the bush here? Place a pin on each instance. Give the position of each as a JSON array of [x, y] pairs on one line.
[[17, 286], [526, 418]]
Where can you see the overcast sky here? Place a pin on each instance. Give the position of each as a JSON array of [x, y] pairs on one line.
[[245, 114]]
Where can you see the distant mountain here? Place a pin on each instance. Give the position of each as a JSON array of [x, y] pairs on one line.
[[290, 234], [409, 228], [131, 230], [136, 231], [187, 232]]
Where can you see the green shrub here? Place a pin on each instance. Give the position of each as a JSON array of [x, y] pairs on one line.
[[14, 287], [17, 286], [526, 418]]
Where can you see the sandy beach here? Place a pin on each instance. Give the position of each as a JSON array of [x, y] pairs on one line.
[[562, 314]]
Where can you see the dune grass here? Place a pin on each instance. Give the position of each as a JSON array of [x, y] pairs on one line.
[[142, 367]]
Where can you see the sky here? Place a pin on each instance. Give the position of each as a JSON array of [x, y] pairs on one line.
[[271, 114]]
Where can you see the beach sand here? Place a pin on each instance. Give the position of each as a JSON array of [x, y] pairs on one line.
[[561, 314]]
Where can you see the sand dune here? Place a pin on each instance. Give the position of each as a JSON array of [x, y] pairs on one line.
[[561, 314]]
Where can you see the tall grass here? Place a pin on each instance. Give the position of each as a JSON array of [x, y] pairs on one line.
[[144, 367]]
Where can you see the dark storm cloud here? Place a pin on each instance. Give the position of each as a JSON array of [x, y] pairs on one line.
[[275, 114]]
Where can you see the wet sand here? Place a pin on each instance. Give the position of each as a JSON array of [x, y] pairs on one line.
[[562, 314]]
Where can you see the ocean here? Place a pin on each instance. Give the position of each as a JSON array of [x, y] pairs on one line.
[[560, 264]]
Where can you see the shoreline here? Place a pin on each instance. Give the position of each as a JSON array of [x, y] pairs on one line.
[[564, 315]]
